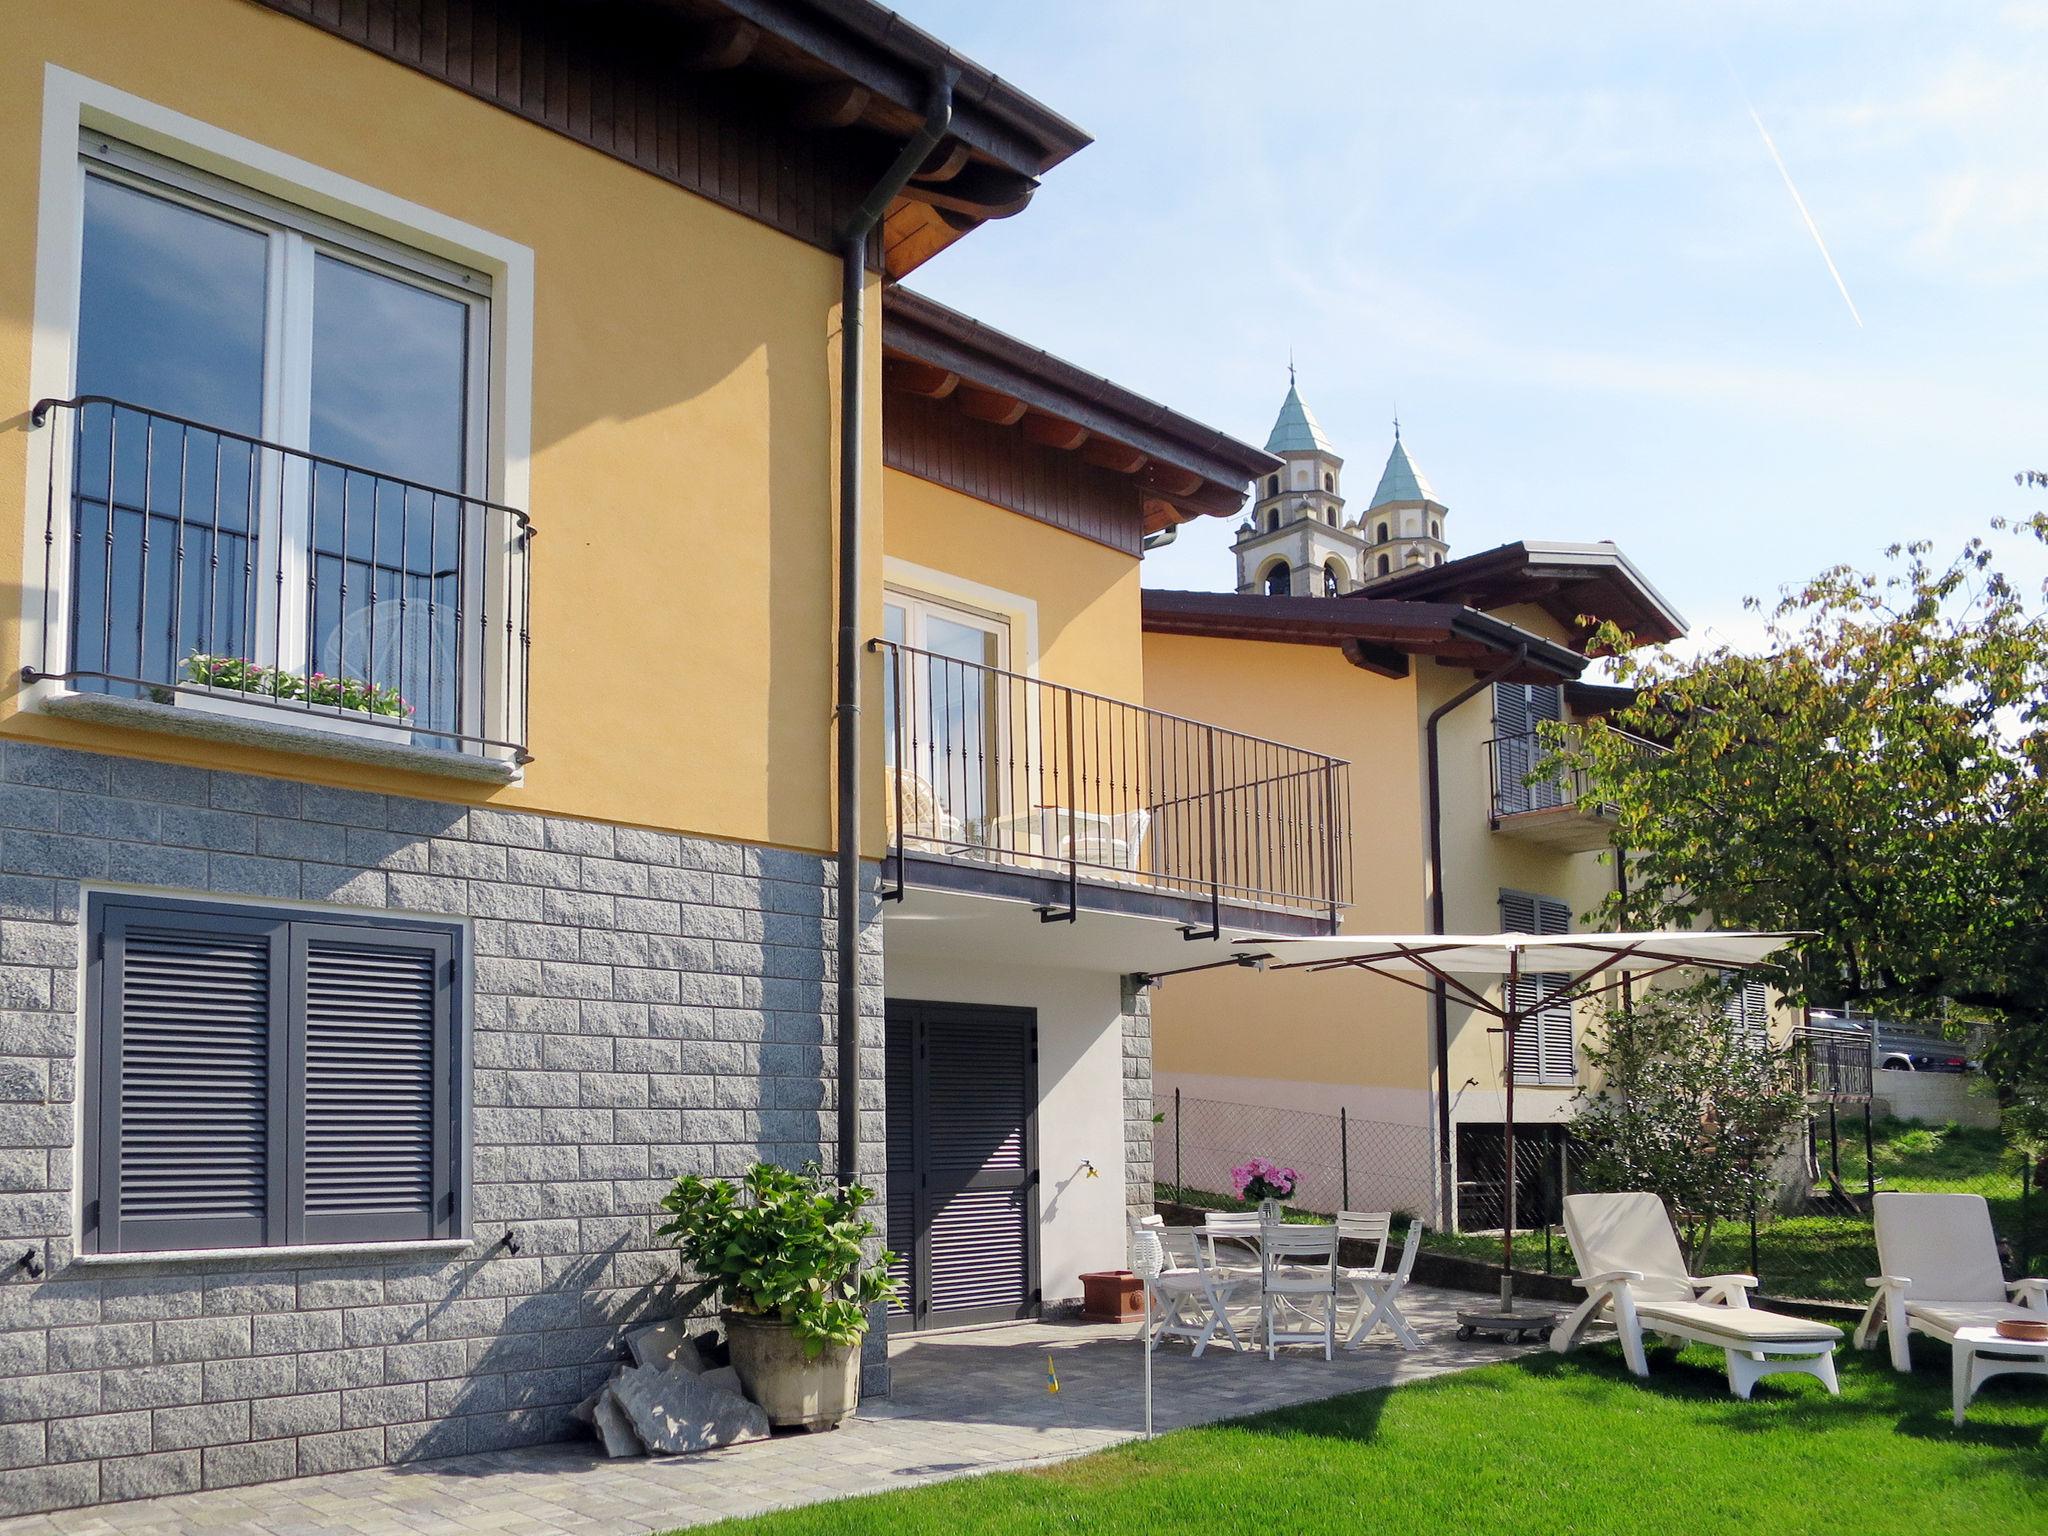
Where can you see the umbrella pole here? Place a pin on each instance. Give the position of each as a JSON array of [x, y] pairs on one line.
[[1511, 1019]]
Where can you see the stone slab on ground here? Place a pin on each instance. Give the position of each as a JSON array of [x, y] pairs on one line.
[[677, 1412], [665, 1345], [614, 1429], [585, 1412]]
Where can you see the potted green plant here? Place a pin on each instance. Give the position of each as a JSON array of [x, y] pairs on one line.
[[784, 1247]]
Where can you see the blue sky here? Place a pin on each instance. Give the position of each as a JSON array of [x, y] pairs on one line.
[[1564, 250]]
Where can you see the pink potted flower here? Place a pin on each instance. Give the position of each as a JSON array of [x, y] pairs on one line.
[[1265, 1181]]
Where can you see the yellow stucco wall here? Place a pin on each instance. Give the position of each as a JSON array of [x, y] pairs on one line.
[[1082, 596], [1276, 1032], [1479, 863], [1294, 1027], [684, 413]]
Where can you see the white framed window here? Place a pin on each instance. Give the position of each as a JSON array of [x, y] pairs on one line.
[[950, 730], [1544, 1050], [287, 421]]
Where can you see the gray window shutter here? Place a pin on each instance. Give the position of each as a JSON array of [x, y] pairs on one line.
[[259, 1080], [1511, 748], [371, 1139], [1543, 1047], [1748, 1002], [190, 1066]]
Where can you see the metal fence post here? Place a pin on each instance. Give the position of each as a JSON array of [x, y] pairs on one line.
[[1344, 1155], [1180, 1189], [2026, 1253], [1752, 1227], [1869, 1156]]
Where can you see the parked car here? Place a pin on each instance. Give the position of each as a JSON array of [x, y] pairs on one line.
[[1901, 1051]]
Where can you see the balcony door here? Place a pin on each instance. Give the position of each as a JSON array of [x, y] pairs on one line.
[[283, 432], [947, 734]]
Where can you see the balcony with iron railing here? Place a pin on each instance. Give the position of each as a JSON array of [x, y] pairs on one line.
[[203, 581], [1834, 1062], [1006, 784], [1555, 810]]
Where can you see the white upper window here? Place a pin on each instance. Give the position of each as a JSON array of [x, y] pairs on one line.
[[276, 463]]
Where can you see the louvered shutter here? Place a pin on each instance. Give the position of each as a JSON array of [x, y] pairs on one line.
[[1546, 705], [978, 1086], [900, 1097], [189, 1060], [1511, 748], [371, 1058], [1519, 709], [262, 1080], [1544, 1051], [1748, 1002]]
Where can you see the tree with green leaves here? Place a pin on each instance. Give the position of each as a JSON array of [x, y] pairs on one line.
[[1873, 773], [1693, 1102]]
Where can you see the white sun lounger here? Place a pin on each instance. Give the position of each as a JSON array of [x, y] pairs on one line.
[[1630, 1265], [1940, 1262]]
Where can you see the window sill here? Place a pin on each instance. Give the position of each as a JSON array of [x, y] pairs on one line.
[[278, 735], [367, 1252]]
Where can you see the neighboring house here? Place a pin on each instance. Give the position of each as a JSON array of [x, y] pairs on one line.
[[1432, 682], [417, 807]]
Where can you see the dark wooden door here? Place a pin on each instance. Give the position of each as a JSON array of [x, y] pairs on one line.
[[962, 1084]]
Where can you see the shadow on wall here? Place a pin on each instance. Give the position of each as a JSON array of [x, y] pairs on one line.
[[554, 1349]]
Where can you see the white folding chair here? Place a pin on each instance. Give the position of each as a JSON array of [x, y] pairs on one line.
[[1233, 1240], [1377, 1291], [1190, 1299], [1298, 1286], [1372, 1227]]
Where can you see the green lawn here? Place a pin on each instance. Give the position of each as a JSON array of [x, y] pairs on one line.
[[1548, 1444]]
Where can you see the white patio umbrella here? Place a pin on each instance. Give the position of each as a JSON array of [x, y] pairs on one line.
[[1590, 963]]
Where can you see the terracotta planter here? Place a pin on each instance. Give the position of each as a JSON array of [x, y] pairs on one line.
[[1112, 1296], [793, 1391]]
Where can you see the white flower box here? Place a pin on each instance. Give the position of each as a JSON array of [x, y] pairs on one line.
[[240, 704]]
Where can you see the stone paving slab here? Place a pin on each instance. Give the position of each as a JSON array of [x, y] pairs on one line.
[[964, 1402]]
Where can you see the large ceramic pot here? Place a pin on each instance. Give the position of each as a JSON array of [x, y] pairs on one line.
[[793, 1391]]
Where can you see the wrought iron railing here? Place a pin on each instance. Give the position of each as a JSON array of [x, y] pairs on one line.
[[1512, 763], [1834, 1062], [190, 565], [992, 767]]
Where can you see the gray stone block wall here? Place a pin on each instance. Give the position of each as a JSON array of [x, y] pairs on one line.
[[642, 1005], [1137, 1040]]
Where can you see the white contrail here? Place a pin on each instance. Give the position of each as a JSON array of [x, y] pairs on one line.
[[1799, 202]]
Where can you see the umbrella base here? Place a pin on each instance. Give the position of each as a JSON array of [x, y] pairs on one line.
[[1505, 1327]]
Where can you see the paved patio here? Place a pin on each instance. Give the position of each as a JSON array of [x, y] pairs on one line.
[[965, 1402]]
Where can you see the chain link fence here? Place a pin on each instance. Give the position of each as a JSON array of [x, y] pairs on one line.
[[1344, 1163], [1815, 1243]]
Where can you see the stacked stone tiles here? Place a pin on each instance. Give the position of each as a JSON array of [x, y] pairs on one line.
[[641, 1005], [1137, 1059]]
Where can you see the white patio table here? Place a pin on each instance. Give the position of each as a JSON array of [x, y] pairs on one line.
[[1982, 1353]]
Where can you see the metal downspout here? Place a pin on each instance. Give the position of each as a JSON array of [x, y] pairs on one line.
[[1442, 1035], [846, 710]]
